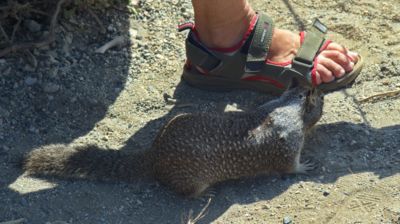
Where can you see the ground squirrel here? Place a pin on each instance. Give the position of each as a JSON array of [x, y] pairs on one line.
[[194, 151]]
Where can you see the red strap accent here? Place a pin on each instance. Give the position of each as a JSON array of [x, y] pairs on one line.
[[185, 26], [302, 36], [188, 64], [314, 70], [325, 45], [265, 79], [202, 71], [283, 64]]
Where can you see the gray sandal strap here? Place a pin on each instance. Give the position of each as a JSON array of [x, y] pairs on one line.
[[200, 55], [313, 41], [260, 43]]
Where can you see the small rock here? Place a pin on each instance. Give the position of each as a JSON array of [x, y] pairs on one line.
[[232, 107], [32, 25], [2, 61], [57, 222], [172, 36], [28, 68], [6, 71], [111, 28], [326, 193], [53, 73], [133, 33], [33, 130], [51, 88], [29, 81], [287, 220], [135, 2], [4, 112]]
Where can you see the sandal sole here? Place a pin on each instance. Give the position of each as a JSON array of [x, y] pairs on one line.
[[218, 84]]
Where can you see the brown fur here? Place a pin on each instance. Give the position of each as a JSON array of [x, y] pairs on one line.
[[195, 151]]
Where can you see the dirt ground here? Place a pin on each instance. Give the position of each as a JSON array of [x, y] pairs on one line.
[[116, 100]]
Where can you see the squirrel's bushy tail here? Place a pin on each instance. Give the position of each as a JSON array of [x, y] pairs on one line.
[[88, 162]]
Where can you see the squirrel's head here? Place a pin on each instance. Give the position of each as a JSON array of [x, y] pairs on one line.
[[311, 99]]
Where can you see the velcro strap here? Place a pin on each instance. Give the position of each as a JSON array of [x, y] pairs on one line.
[[314, 39], [258, 50], [200, 55]]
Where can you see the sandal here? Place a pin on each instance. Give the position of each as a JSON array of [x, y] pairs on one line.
[[244, 66]]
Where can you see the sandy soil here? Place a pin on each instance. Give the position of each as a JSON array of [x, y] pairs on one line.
[[116, 100]]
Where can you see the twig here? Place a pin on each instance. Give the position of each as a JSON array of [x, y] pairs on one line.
[[169, 99], [39, 12], [102, 29], [117, 41], [16, 221], [16, 26], [121, 10], [30, 58], [49, 38], [380, 95], [4, 33], [200, 215]]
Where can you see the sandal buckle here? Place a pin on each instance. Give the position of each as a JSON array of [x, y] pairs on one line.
[[301, 62], [320, 26]]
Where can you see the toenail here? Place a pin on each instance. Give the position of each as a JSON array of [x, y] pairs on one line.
[[341, 72]]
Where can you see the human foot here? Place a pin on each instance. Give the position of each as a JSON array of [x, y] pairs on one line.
[[265, 59], [333, 62]]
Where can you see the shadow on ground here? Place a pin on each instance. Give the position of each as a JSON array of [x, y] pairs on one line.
[[341, 148], [87, 84]]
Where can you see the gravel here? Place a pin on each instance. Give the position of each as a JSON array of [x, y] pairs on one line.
[[115, 100]]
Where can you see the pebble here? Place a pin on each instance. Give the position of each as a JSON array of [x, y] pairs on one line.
[[135, 2], [51, 88], [28, 68], [326, 193], [287, 220], [29, 81], [53, 73], [111, 28], [133, 33], [32, 25]]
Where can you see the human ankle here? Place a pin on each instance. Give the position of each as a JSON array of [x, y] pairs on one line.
[[226, 32]]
